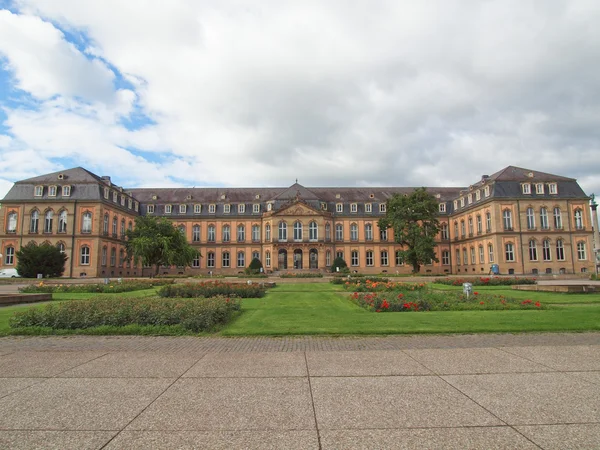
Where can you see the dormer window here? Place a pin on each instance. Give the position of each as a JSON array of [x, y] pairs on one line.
[[462, 202], [382, 207], [150, 209], [455, 204], [269, 206], [353, 207], [211, 209], [115, 195], [182, 209], [129, 203], [477, 196], [52, 191], [539, 188], [168, 209], [227, 208], [256, 208], [469, 199], [552, 188], [324, 206], [197, 208], [368, 207], [241, 208], [66, 191], [442, 207], [486, 191], [38, 191], [106, 193], [122, 200], [526, 188], [136, 206], [339, 207]]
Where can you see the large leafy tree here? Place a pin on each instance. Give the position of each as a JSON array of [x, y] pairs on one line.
[[414, 221], [45, 259], [156, 241]]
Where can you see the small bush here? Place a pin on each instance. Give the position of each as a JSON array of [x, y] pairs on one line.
[[192, 314], [212, 289], [111, 288], [339, 262], [254, 268], [485, 281], [301, 275]]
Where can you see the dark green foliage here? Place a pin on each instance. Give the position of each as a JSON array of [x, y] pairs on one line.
[[45, 259], [339, 262], [301, 275], [191, 314], [155, 241], [414, 221], [485, 281], [111, 288], [212, 289], [254, 268]]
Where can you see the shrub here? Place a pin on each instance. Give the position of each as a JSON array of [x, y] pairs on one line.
[[339, 262], [485, 281], [212, 289], [110, 288], [301, 275], [192, 314], [45, 259], [254, 268]]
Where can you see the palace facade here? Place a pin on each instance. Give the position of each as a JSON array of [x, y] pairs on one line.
[[523, 221]]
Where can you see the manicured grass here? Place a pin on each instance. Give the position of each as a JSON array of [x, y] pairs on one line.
[[319, 309]]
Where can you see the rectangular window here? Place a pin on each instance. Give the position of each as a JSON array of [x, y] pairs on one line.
[[106, 193], [268, 259], [539, 188], [150, 209], [442, 207], [324, 206], [241, 209], [182, 209], [136, 206], [241, 259], [129, 203], [526, 188], [491, 253], [486, 191], [399, 258], [210, 260], [384, 258], [196, 262], [227, 209], [339, 207], [211, 234], [457, 257], [10, 256], [462, 202], [368, 207], [115, 196], [52, 191], [369, 258], [354, 258], [465, 257], [481, 255], [473, 255], [446, 258], [66, 191], [509, 252], [455, 205], [225, 262], [469, 199], [552, 188], [256, 208], [168, 209], [211, 209], [382, 207], [328, 258], [478, 195], [38, 191], [122, 200], [197, 209], [353, 207]]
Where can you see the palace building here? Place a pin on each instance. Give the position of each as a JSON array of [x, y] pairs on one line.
[[523, 221]]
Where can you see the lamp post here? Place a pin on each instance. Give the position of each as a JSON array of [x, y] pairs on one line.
[[594, 207]]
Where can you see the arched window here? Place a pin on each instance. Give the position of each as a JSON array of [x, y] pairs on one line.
[[122, 228], [86, 222], [241, 233], [84, 255], [560, 250], [121, 257], [328, 258], [581, 252], [578, 216], [35, 221], [104, 255], [255, 233], [368, 232], [339, 232], [530, 219], [313, 231], [210, 259], [196, 233], [383, 234], [297, 231], [543, 218], [210, 237], [491, 253], [546, 253], [62, 221], [328, 232], [532, 250], [557, 218], [255, 255], [105, 224], [48, 219], [444, 231], [481, 255], [11, 223], [113, 257], [488, 222], [507, 219], [479, 224], [61, 247], [463, 231], [268, 232], [354, 232], [267, 259], [130, 226], [9, 255], [115, 225], [470, 226], [472, 251], [282, 231], [226, 233], [225, 259], [181, 229]]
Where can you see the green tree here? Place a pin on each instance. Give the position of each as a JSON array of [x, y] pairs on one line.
[[414, 221], [155, 241], [339, 262], [45, 259], [254, 267]]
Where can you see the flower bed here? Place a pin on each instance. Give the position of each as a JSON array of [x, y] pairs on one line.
[[113, 287], [212, 289], [371, 285], [424, 300], [301, 275], [485, 281], [191, 314], [354, 279]]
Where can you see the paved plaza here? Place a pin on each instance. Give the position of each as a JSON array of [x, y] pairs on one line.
[[468, 391]]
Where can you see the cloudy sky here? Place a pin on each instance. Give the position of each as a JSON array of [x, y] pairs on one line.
[[350, 93]]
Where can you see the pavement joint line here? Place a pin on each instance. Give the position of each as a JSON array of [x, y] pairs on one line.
[[553, 369], [312, 401], [56, 375], [152, 402], [42, 380]]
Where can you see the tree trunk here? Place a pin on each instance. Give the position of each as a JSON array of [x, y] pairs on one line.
[[416, 268], [157, 269]]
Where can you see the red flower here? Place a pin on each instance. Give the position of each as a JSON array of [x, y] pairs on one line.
[[538, 304], [475, 293], [400, 296], [481, 303], [385, 304]]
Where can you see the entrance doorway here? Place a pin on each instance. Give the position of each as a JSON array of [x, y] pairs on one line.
[[282, 259], [313, 258], [298, 259]]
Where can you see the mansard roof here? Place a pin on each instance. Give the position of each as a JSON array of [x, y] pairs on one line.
[[513, 173]]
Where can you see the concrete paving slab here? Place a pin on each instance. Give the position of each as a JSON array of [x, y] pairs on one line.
[[257, 364], [135, 365], [216, 440], [79, 403], [531, 399], [573, 357], [10, 385], [58, 440], [485, 438], [201, 404], [592, 377], [473, 361], [42, 364], [559, 437], [393, 402], [360, 363]]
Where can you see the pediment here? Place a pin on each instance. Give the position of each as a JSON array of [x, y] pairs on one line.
[[298, 209]]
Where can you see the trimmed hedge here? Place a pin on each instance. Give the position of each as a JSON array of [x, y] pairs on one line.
[[212, 289], [301, 275], [357, 279], [192, 314], [111, 288], [485, 281]]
